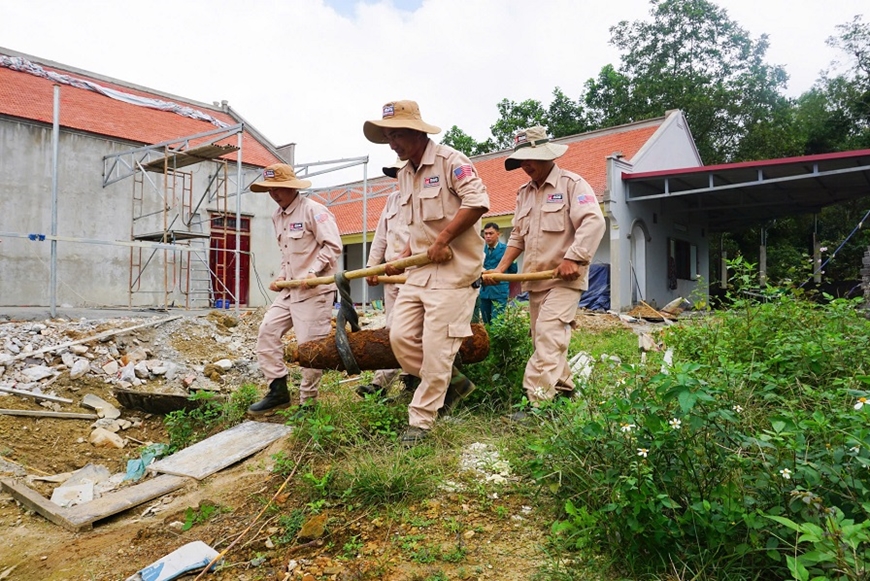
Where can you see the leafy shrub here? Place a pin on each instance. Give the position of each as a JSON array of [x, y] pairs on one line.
[[749, 457], [499, 377]]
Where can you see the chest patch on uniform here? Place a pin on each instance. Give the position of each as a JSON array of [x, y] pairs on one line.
[[554, 198], [321, 217], [585, 199], [432, 182], [295, 226]]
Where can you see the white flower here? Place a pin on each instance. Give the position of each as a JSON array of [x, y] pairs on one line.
[[623, 427], [854, 449], [675, 423], [540, 393], [642, 452], [823, 249], [737, 408], [785, 473], [861, 402]]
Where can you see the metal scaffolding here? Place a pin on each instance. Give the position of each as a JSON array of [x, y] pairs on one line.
[[168, 210]]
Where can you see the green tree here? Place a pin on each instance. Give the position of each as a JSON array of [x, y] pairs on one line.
[[565, 116], [514, 117], [693, 57], [461, 141]]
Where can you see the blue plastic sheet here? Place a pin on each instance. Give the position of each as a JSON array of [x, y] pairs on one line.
[[597, 297], [136, 468]]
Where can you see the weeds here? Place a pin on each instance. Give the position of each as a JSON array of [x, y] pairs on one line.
[[188, 427]]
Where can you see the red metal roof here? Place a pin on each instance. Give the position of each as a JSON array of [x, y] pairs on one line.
[[30, 97], [586, 155]]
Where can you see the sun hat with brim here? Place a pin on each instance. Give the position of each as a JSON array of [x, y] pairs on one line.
[[393, 170], [397, 115], [533, 143], [279, 175]]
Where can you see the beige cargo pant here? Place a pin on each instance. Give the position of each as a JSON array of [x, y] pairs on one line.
[[384, 377], [552, 315], [311, 319], [427, 330]]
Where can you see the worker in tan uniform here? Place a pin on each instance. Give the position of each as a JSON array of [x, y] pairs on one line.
[[442, 199], [389, 242], [310, 245], [558, 224]]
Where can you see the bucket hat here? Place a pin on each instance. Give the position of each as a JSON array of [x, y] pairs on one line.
[[279, 175], [393, 170], [533, 143], [397, 115]]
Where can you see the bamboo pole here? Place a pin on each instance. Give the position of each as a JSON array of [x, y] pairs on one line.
[[497, 277], [402, 263]]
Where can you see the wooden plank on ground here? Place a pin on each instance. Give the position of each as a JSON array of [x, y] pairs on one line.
[[36, 502], [23, 393], [221, 450], [82, 516], [41, 414]]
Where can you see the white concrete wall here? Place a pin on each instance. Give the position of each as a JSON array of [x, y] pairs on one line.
[[669, 148], [91, 274]]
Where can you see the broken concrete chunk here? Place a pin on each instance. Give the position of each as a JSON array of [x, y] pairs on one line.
[[111, 368], [107, 424], [224, 364], [70, 495], [79, 368], [103, 408], [105, 439], [89, 473], [38, 372], [68, 359], [141, 370], [134, 356], [79, 349]]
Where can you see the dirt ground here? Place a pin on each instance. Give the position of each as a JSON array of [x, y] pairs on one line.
[[502, 537]]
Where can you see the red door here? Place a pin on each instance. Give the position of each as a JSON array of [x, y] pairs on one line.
[[222, 257]]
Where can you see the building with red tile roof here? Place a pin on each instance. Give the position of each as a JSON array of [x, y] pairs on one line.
[[136, 167]]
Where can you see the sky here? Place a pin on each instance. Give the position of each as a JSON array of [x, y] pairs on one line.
[[312, 71]]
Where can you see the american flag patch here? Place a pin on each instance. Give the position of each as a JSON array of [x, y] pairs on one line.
[[431, 182], [268, 173], [463, 171], [554, 198], [321, 217], [295, 226], [585, 199]]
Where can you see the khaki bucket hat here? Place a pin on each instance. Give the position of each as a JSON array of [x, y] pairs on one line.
[[533, 143], [279, 175], [393, 170], [397, 115]]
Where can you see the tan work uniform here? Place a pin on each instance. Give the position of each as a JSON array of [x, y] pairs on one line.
[[433, 310], [310, 243], [559, 219], [391, 238]]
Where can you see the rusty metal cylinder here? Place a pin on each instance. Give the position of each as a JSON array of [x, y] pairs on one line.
[[371, 349]]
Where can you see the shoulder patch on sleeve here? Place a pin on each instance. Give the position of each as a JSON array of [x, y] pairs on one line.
[[322, 217]]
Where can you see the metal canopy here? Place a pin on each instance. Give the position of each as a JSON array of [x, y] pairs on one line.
[[736, 195]]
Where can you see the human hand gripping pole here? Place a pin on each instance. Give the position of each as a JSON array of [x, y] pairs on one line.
[[420, 259]]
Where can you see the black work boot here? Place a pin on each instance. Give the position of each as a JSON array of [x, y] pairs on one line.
[[410, 382], [369, 389], [277, 398], [460, 387]]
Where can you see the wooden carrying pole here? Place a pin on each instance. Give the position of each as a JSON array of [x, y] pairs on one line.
[[415, 260], [523, 277]]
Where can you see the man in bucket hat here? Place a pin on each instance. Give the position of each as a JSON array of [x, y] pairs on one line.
[[310, 246], [389, 242], [559, 225], [442, 199]]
